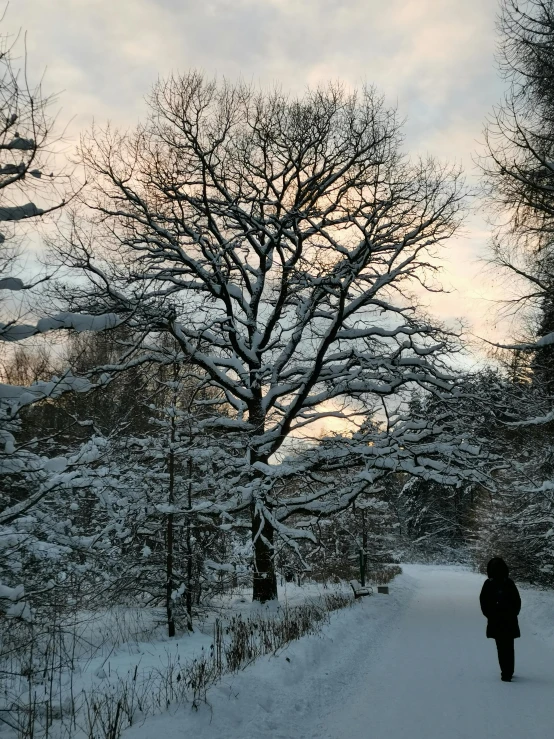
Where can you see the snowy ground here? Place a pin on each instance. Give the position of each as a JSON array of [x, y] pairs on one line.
[[117, 647], [414, 664]]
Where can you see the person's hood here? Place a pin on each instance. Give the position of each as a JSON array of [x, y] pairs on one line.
[[497, 569]]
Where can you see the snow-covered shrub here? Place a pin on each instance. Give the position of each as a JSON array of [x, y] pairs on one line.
[[39, 696], [34, 529]]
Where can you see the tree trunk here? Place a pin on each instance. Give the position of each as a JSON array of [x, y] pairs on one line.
[[363, 567], [189, 550], [265, 579], [169, 577], [169, 543]]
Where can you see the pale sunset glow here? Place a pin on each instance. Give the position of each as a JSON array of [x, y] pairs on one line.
[[434, 60]]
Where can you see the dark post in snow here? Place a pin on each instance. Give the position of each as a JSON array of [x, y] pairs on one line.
[[363, 559], [363, 553]]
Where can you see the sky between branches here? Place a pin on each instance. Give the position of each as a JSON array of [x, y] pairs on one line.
[[433, 58]]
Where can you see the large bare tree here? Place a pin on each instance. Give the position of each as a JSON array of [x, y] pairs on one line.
[[277, 239], [519, 161]]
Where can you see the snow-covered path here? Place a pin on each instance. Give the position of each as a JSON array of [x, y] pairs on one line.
[[413, 664], [437, 675]]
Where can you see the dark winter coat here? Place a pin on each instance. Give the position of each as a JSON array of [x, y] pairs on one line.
[[500, 601]]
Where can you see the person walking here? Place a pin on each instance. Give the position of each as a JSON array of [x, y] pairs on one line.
[[500, 603]]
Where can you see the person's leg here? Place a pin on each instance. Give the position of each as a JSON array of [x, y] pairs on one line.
[[510, 657], [500, 651], [505, 648]]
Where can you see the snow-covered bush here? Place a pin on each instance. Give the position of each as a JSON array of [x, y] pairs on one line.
[[28, 476]]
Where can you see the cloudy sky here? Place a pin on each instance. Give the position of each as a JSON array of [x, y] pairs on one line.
[[434, 59]]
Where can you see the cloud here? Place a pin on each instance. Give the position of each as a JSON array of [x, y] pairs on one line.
[[433, 59], [427, 54]]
